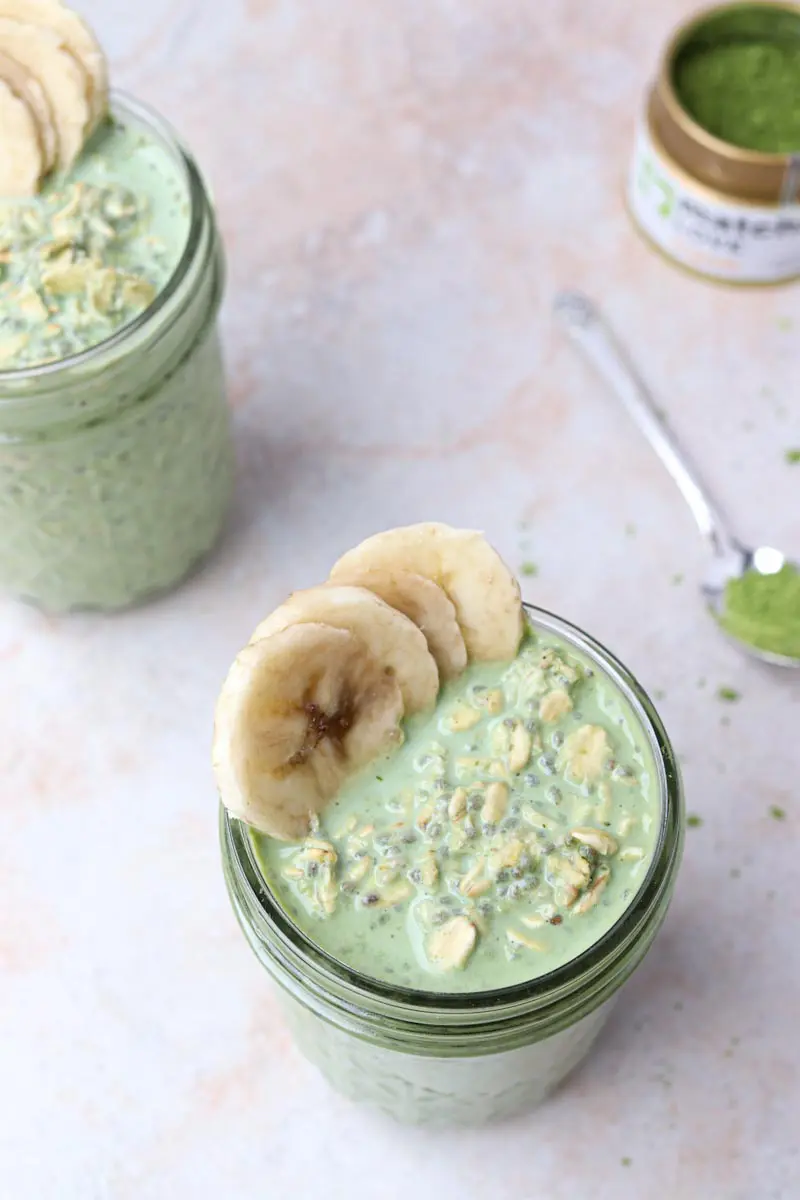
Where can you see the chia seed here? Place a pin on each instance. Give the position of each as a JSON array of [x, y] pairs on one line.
[[532, 780], [475, 801], [509, 722], [554, 795], [530, 725], [370, 898], [547, 764], [408, 837], [557, 740]]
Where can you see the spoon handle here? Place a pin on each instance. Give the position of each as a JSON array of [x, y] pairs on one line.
[[582, 320]]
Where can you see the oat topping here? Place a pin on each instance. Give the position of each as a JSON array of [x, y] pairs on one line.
[[477, 864], [76, 264]]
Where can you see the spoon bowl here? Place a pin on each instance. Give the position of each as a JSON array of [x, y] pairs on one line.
[[730, 560]]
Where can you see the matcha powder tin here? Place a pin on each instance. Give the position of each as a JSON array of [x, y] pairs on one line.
[[715, 177]]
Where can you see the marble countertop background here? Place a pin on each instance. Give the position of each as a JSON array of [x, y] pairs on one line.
[[402, 188]]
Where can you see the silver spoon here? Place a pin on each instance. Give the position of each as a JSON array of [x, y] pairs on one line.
[[582, 320]]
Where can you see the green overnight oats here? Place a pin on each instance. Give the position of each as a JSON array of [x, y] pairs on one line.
[[115, 451], [504, 838], [448, 932]]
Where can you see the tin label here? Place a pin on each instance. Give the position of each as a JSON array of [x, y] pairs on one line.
[[718, 237]]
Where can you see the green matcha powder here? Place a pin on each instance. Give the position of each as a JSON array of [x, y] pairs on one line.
[[746, 92], [764, 610]]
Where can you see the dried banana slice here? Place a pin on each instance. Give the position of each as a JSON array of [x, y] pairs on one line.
[[77, 38], [424, 603], [298, 713], [23, 84], [44, 56], [21, 160], [485, 594], [390, 637]]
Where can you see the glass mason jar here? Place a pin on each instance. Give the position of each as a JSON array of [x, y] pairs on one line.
[[116, 464], [439, 1059]]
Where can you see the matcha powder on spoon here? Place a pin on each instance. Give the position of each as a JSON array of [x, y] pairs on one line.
[[764, 610]]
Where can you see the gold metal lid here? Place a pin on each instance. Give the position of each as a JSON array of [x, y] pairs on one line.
[[744, 174]]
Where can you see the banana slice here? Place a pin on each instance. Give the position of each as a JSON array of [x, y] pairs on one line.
[[299, 712], [485, 594], [23, 84], [424, 603], [78, 39], [42, 53], [21, 160], [389, 637]]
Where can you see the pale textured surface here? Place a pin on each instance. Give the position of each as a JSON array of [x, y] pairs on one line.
[[402, 187]]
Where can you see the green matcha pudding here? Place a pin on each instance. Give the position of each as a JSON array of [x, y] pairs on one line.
[[451, 827], [115, 453]]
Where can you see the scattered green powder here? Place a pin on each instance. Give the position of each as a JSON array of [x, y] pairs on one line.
[[729, 694], [764, 611], [626, 1162], [745, 91], [529, 568], [693, 821], [630, 529], [677, 579], [792, 456], [784, 323], [777, 813]]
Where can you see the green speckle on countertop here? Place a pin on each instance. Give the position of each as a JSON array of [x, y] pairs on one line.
[[693, 821], [777, 813], [784, 324], [728, 694], [677, 579], [630, 529], [529, 568], [792, 456], [659, 693], [701, 683], [626, 1162]]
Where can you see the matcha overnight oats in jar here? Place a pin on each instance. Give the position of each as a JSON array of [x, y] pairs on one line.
[[450, 833], [115, 450]]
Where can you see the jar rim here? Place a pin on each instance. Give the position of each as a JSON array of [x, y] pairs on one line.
[[127, 105], [542, 990]]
